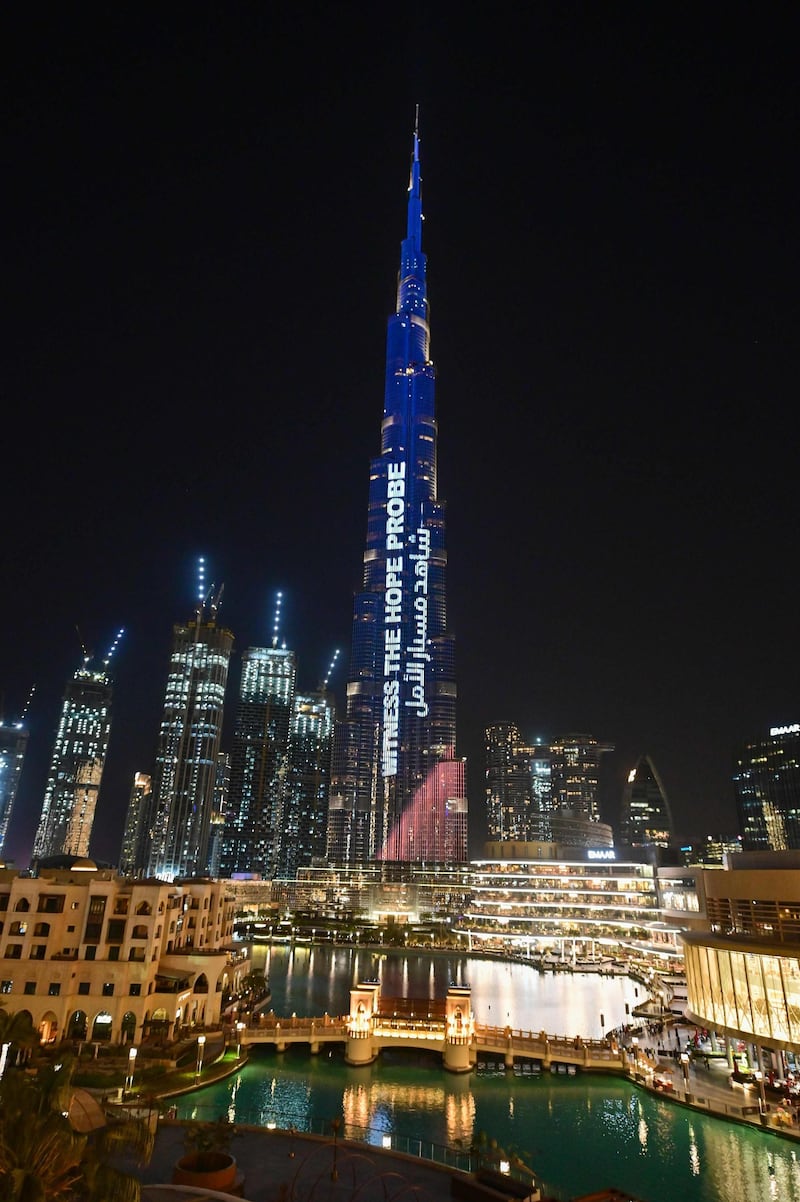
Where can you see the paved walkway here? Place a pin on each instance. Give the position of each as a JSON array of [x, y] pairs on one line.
[[710, 1089]]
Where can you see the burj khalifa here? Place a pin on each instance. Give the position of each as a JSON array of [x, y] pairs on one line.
[[397, 786]]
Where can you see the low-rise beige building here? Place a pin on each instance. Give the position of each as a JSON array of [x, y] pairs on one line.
[[95, 956]]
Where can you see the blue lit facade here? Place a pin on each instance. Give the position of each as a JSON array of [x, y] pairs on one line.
[[387, 801]]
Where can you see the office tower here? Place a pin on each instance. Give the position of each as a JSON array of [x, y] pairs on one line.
[[259, 762], [767, 783], [77, 763], [305, 815], [134, 836], [13, 744], [576, 775], [645, 817], [188, 746], [400, 724], [518, 786]]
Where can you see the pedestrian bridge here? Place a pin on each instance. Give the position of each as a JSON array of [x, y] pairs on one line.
[[447, 1027]]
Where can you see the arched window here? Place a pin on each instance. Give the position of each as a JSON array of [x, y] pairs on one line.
[[41, 930], [18, 928], [77, 1025], [23, 905], [144, 908]]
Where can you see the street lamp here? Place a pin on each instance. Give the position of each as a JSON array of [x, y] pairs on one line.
[[239, 1028], [131, 1067], [201, 1043]]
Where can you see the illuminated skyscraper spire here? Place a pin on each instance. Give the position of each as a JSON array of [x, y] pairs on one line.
[[397, 789]]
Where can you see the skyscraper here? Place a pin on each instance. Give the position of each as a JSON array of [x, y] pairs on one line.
[[134, 836], [390, 796], [254, 819], [508, 783], [13, 744], [518, 792], [188, 746], [767, 782], [576, 775], [305, 814], [77, 763], [645, 818]]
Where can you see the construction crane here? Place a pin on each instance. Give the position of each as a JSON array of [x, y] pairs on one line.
[[330, 670], [277, 619]]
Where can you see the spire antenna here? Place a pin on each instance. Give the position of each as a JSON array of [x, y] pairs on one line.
[[276, 624]]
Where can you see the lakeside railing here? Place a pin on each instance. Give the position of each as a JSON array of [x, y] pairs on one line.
[[457, 1159]]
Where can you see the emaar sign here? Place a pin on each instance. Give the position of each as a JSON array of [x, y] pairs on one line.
[[601, 853]]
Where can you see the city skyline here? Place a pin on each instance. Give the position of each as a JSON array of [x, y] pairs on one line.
[[198, 336]]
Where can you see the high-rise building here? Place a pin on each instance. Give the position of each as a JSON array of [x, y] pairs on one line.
[[509, 800], [543, 792], [305, 815], [645, 817], [576, 775], [13, 744], [390, 795], [134, 836], [222, 788], [767, 783], [77, 762], [254, 820], [188, 746]]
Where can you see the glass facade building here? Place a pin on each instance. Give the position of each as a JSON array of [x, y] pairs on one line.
[[646, 818], [184, 778], [534, 895], [254, 816], [767, 782], [77, 763], [391, 796], [304, 827], [575, 769]]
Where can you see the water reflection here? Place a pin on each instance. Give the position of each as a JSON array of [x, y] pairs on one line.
[[579, 1134], [313, 981]]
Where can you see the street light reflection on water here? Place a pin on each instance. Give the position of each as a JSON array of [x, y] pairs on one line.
[[578, 1133]]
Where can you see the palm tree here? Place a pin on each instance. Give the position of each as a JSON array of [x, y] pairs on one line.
[[42, 1159]]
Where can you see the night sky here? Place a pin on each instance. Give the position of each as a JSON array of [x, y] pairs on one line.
[[204, 212]]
